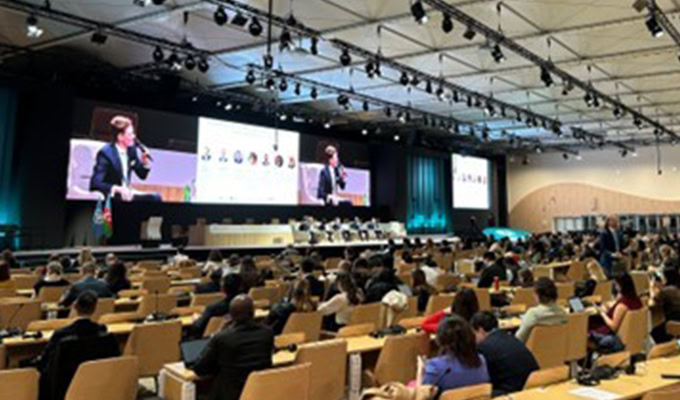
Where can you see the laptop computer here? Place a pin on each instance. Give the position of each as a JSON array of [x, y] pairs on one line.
[[192, 350], [576, 305]]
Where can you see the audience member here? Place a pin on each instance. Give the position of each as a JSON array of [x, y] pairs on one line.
[[381, 284], [6, 281], [421, 289], [117, 279], [341, 305], [9, 258], [85, 256], [250, 274], [232, 286], [432, 271], [316, 287], [53, 278], [465, 305], [547, 312], [494, 269], [611, 244], [603, 331], [299, 301], [214, 262], [89, 282], [667, 298], [214, 285]]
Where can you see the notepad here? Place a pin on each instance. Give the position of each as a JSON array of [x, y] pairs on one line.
[[595, 394]]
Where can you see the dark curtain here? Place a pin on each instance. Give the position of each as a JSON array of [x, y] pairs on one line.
[[9, 195], [428, 208]]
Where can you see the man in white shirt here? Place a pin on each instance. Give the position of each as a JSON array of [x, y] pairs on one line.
[[331, 178]]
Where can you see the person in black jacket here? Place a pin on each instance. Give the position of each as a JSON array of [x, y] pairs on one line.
[[332, 178], [53, 278], [611, 244], [299, 301], [89, 282], [232, 286], [231, 355], [316, 287], [494, 268], [213, 286], [508, 360], [116, 278]]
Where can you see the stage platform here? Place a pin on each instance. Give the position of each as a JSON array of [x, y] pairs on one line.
[[137, 252]]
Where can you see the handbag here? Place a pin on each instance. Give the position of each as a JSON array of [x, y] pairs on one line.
[[399, 391]]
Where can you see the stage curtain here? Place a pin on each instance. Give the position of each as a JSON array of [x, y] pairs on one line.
[[428, 210], [9, 195]]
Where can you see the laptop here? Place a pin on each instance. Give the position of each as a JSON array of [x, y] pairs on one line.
[[192, 350], [576, 305]]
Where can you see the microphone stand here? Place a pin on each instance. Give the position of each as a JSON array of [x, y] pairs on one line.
[[9, 331]]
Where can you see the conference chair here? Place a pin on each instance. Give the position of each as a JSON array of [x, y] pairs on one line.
[[641, 281], [156, 285], [634, 329], [466, 267], [438, 302], [673, 328], [187, 310], [190, 273], [49, 324], [477, 392], [332, 263], [411, 323], [288, 339], [548, 344], [18, 314], [278, 384], [132, 293], [107, 379], [398, 361], [565, 290], [483, 298], [7, 292], [407, 278], [51, 294], [526, 296], [366, 314], [19, 384], [446, 281], [73, 278], [25, 281], [577, 271], [104, 306], [615, 360], [577, 339], [514, 309], [215, 325], [308, 323], [664, 350], [119, 318], [355, 330], [663, 394], [182, 290], [328, 371], [155, 344], [547, 377], [206, 299], [604, 290], [264, 293], [3, 357], [410, 312], [148, 265], [152, 303]]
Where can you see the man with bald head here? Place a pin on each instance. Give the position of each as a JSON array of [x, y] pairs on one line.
[[231, 355]]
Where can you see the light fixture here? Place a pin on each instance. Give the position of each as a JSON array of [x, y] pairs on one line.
[[497, 54], [268, 61], [345, 58], [33, 31], [343, 100], [270, 84], [194, 99], [637, 122], [578, 157], [489, 109], [447, 24], [565, 156], [291, 21], [220, 16], [588, 98], [174, 62], [396, 138], [228, 107], [618, 112], [441, 95], [538, 149], [596, 101], [364, 131], [314, 46], [456, 98], [239, 20], [401, 117], [98, 37], [283, 117], [388, 112], [404, 79], [285, 40], [190, 63], [327, 124], [634, 153], [250, 77], [365, 106], [469, 34], [298, 89], [428, 87], [469, 101], [255, 28], [157, 54], [418, 12], [653, 25], [415, 81], [314, 93], [624, 153], [203, 65], [546, 78], [568, 87], [283, 85]]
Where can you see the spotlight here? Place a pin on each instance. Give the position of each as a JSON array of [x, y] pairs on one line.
[[364, 131], [469, 101], [283, 117], [637, 122], [568, 87], [99, 37], [469, 33], [401, 117], [447, 24], [418, 12], [407, 116], [270, 84], [283, 85], [365, 106], [456, 98], [489, 109], [624, 153], [428, 87], [546, 77], [377, 68], [519, 117], [404, 79], [634, 153], [292, 21], [370, 69], [538, 149], [388, 112], [588, 98], [250, 77], [33, 31], [203, 65], [285, 40], [596, 102], [190, 63], [396, 138], [239, 20], [220, 16], [653, 25], [228, 107], [314, 47], [618, 112], [314, 93], [415, 81], [343, 100], [478, 103], [157, 54], [255, 28], [497, 54], [327, 124], [440, 93], [298, 89], [174, 62], [565, 156], [345, 58]]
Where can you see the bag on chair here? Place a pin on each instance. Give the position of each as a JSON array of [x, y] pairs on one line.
[[399, 391]]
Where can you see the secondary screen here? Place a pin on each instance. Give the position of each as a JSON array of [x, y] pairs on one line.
[[470, 182]]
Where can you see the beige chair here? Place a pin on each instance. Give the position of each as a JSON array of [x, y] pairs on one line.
[[565, 290], [438, 303], [477, 392], [366, 314], [25, 281], [105, 379], [514, 309], [118, 318], [73, 278], [548, 344], [332, 263], [182, 290], [615, 360], [634, 330], [542, 272], [673, 328], [577, 271], [411, 323], [206, 299], [20, 312], [483, 298], [288, 339], [546, 377], [667, 349], [355, 330], [328, 372], [19, 384], [155, 344], [3, 357], [104, 306], [410, 312], [526, 296], [7, 292], [641, 281], [132, 293], [308, 323], [215, 325], [188, 310], [397, 361], [162, 303], [264, 293], [663, 394], [577, 340], [148, 265], [51, 294], [278, 384], [446, 281], [49, 324], [156, 285], [604, 290]]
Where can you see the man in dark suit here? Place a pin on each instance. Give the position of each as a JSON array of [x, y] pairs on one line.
[[611, 244], [88, 283], [231, 355], [508, 360], [331, 177], [494, 269], [232, 285], [316, 287], [116, 162]]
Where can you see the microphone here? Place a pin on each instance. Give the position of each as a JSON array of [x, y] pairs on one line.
[[143, 148], [9, 331]]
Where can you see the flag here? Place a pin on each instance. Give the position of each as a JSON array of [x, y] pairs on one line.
[[102, 220]]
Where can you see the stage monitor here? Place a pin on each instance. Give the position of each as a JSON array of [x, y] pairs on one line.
[[470, 182]]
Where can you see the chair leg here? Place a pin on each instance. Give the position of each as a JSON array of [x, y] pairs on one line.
[[573, 369]]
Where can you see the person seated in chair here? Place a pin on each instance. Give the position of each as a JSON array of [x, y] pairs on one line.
[[547, 312], [89, 282], [232, 285]]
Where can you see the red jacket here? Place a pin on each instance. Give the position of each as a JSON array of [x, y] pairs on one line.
[[431, 322]]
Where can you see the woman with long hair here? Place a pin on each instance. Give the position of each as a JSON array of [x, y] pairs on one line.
[[421, 289], [342, 304], [465, 305], [53, 277], [299, 301], [117, 279], [458, 364]]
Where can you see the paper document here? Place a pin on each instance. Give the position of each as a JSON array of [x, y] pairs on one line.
[[596, 394]]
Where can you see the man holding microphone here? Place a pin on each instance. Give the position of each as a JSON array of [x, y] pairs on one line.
[[332, 178]]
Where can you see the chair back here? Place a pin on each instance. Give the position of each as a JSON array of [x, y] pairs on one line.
[[672, 393], [156, 285], [577, 271], [8, 292], [410, 312], [155, 344], [446, 281], [565, 290], [19, 384], [264, 293], [278, 384], [19, 313], [664, 350], [634, 329], [108, 379], [49, 324], [477, 392], [366, 314], [25, 281], [355, 330], [641, 281], [308, 323], [148, 265], [546, 377], [577, 340], [604, 290], [215, 325], [615, 360], [483, 298], [51, 294], [438, 302], [132, 293], [182, 290], [673, 328], [548, 344], [104, 306], [288, 339], [465, 267], [397, 361], [73, 278], [118, 318], [328, 372], [162, 303], [206, 299], [542, 272], [332, 263], [526, 296]]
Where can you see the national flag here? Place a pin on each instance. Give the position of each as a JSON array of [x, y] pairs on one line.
[[102, 220]]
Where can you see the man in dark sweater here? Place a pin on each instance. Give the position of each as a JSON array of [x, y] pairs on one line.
[[232, 285], [508, 360]]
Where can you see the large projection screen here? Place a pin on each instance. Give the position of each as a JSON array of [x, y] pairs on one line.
[[470, 182]]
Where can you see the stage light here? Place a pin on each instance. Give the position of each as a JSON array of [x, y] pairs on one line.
[[401, 117], [365, 106], [270, 84], [469, 33], [624, 153], [345, 58], [268, 61], [568, 87], [255, 28], [157, 54], [415, 81], [637, 122], [283, 117], [99, 37], [220, 16], [377, 68], [478, 103], [653, 26], [503, 113], [174, 62], [283, 85], [489, 109], [194, 99], [370, 69], [418, 12], [250, 77], [578, 157], [298, 89], [228, 107], [343, 100], [634, 153], [396, 138], [314, 47], [239, 20], [447, 24], [203, 65], [588, 98], [159, 2], [33, 31], [285, 40], [141, 3], [456, 97], [546, 78], [407, 116], [618, 112], [364, 131], [388, 112], [497, 54], [428, 87], [657, 131], [441, 95], [518, 118], [327, 124], [314, 93], [469, 101], [596, 102], [404, 79], [291, 21], [189, 63]]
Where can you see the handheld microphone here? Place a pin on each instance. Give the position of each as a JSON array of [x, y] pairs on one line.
[[143, 148]]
